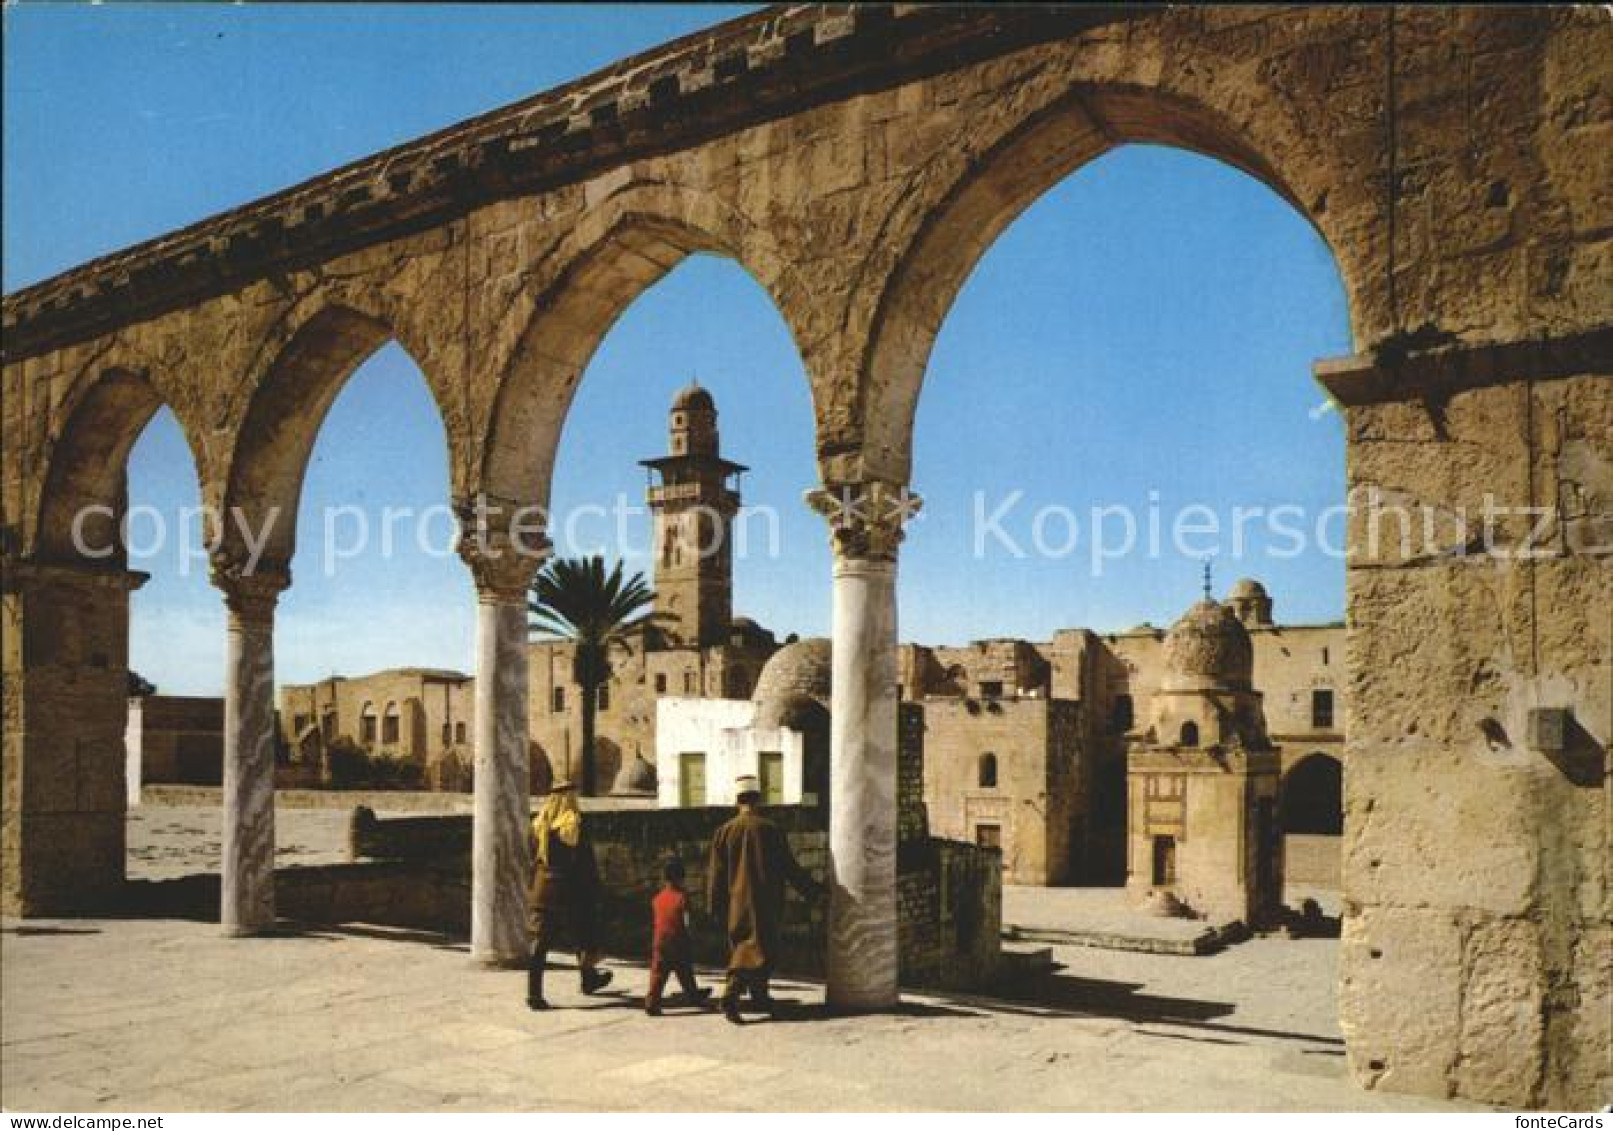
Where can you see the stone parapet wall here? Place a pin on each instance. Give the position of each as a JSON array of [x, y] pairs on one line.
[[396, 801], [950, 894]]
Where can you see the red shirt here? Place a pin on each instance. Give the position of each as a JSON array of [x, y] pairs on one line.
[[669, 907]]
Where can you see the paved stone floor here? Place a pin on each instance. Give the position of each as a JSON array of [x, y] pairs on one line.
[[167, 1015]]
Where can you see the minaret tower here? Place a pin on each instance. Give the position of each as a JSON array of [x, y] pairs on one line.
[[694, 506]]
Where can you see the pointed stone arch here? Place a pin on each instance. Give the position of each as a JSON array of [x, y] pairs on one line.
[[935, 247], [621, 247], [84, 485], [295, 377]]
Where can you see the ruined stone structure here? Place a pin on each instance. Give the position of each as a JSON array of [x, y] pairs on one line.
[[1027, 743], [858, 162]]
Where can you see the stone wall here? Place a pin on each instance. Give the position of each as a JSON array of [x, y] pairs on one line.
[[395, 801], [1037, 803], [434, 721], [1477, 953], [950, 894], [175, 739], [414, 895], [857, 161]]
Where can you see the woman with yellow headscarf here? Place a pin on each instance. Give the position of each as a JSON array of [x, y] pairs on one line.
[[564, 895]]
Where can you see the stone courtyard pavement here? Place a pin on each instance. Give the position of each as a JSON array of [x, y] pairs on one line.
[[130, 1015]]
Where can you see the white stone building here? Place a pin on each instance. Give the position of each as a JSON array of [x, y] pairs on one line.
[[781, 735]]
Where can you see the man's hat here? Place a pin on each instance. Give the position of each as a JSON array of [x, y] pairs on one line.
[[564, 785], [746, 783]]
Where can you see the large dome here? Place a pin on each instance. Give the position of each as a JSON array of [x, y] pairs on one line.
[[797, 674], [1208, 647]]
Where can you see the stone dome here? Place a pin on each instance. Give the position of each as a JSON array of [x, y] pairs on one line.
[[1247, 587], [692, 396], [1208, 648], [1250, 601], [797, 674]]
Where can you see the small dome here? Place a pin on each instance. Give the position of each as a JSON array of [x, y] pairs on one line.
[[1251, 602], [797, 672], [1246, 587], [745, 624], [692, 396], [1208, 647]]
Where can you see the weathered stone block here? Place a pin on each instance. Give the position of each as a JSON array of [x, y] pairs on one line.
[[1503, 1012], [1400, 989]]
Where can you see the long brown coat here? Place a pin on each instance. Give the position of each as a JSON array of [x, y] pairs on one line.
[[564, 894], [750, 864]]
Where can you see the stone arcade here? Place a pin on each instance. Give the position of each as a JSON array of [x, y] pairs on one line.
[[858, 162]]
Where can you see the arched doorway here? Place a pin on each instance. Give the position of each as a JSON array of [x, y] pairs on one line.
[[1313, 823], [1313, 796]]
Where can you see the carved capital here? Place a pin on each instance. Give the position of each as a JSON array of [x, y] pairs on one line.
[[865, 519], [250, 588], [503, 569], [504, 545]]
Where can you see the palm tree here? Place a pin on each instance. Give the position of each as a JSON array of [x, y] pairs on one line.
[[575, 599]]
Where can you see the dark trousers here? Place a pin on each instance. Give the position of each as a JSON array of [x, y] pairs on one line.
[[663, 966], [755, 981]]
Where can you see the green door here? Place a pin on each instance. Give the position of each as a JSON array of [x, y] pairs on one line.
[[770, 768], [691, 780]]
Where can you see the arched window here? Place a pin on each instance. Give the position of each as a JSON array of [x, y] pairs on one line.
[[389, 725], [366, 724], [1190, 734], [988, 771]]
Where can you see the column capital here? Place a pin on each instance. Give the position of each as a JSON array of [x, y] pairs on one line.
[[250, 588], [503, 570], [866, 518], [503, 544]]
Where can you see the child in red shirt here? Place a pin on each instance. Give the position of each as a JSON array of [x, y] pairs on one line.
[[673, 953]]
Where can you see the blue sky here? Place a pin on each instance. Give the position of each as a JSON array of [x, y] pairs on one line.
[[1141, 336]]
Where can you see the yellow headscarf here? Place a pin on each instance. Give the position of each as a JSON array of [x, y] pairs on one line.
[[561, 815]]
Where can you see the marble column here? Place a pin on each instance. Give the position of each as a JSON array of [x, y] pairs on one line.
[[500, 834], [246, 905], [866, 528]]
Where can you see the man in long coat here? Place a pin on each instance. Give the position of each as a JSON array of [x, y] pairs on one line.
[[750, 864]]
